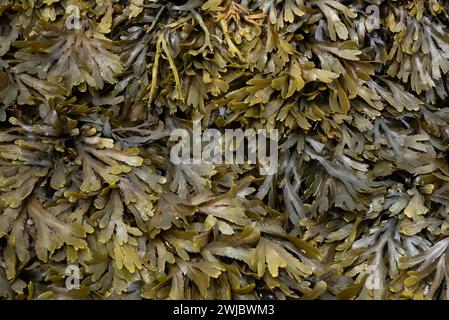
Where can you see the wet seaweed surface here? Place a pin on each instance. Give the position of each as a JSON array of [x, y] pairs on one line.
[[92, 207]]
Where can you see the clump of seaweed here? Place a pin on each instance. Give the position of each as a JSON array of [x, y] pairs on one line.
[[90, 91]]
